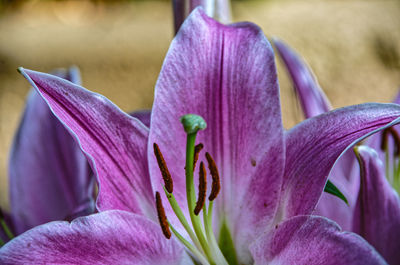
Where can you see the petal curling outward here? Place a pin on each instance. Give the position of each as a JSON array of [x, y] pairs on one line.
[[313, 146], [114, 143], [312, 99], [48, 174], [377, 213], [111, 237], [227, 75], [313, 102], [313, 240]]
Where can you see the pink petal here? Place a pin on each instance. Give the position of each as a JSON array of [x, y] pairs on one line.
[[49, 176], [313, 146], [111, 237], [114, 143], [227, 75], [312, 240]]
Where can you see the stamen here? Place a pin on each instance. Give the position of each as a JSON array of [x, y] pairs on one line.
[[215, 186], [164, 169], [162, 218], [197, 150], [202, 189], [384, 140], [396, 139]]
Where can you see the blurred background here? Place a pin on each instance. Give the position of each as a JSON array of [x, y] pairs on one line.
[[353, 47]]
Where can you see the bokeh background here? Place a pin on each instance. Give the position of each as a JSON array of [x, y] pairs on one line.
[[353, 46]]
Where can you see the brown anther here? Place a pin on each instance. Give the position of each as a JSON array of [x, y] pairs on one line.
[[197, 150], [215, 186], [169, 186], [396, 139], [162, 218], [202, 189]]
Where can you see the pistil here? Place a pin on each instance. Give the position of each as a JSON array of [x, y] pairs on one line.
[[205, 248]]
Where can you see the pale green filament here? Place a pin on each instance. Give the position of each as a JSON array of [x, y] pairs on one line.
[[189, 246], [207, 219], [178, 212]]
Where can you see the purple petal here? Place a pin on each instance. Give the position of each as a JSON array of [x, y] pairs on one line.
[[227, 75], [114, 143], [313, 146], [377, 213], [143, 116], [313, 240], [313, 102], [111, 237], [375, 141], [334, 208], [312, 99], [346, 176], [48, 174]]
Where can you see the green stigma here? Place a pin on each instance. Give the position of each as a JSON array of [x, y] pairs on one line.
[[192, 123]]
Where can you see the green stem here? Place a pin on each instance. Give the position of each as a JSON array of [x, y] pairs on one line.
[[2, 243], [189, 246], [210, 235], [178, 212], [191, 196]]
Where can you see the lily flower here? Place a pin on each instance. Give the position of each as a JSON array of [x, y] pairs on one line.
[[373, 187], [265, 182], [49, 177]]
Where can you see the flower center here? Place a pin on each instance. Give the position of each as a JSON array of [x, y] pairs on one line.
[[392, 155], [204, 246]]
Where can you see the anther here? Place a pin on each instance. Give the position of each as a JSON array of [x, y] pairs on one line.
[[162, 217], [215, 186], [202, 189], [169, 186], [197, 150]]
